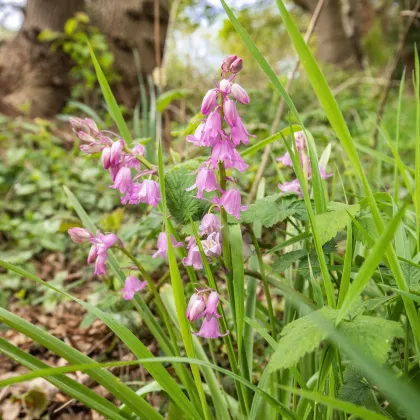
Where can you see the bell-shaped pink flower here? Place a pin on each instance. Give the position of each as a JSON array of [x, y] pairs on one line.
[[210, 328], [100, 264], [239, 93], [292, 186], [231, 202], [122, 181], [116, 150], [231, 115], [79, 235], [209, 101], [132, 285], [196, 138], [225, 86], [212, 245], [196, 307], [285, 160], [238, 132], [106, 157], [193, 258], [300, 140], [149, 192], [209, 224], [212, 129], [211, 306], [93, 253], [205, 181], [162, 245]]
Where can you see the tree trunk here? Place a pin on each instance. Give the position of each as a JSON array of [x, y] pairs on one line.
[[337, 33], [32, 76], [130, 26]]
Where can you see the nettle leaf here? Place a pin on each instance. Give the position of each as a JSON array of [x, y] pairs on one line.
[[366, 231], [181, 203], [412, 276], [275, 208], [303, 268], [334, 220], [371, 334], [287, 259], [298, 338], [356, 388]]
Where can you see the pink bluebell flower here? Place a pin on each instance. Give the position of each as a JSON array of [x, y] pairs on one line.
[[225, 86], [196, 138], [236, 66], [149, 192], [205, 181], [193, 258], [116, 151], [196, 307], [122, 180], [212, 245], [238, 133], [162, 245], [227, 62], [231, 115], [231, 202], [239, 93], [292, 186], [209, 101], [209, 224], [79, 235], [98, 252], [210, 328], [285, 160], [132, 285]]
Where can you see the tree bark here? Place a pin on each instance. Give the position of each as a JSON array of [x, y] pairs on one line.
[[338, 35], [31, 75]]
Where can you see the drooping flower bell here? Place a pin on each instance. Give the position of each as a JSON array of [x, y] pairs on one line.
[[209, 224], [231, 202], [205, 181], [162, 245], [131, 286], [292, 186]]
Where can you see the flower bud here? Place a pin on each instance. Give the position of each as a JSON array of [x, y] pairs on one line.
[[79, 235], [106, 157], [227, 62], [212, 302], [236, 66], [196, 307], [224, 86], [240, 94], [209, 101], [229, 109], [116, 150]]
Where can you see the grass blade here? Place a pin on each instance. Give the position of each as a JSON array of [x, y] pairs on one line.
[[125, 394], [65, 384]]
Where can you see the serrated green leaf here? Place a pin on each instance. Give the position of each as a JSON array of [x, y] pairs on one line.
[[366, 229], [355, 388], [373, 336], [273, 209], [412, 276], [181, 203], [335, 220], [298, 338], [287, 259]]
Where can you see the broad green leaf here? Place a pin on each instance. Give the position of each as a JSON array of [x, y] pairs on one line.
[[373, 336], [334, 221], [355, 388], [287, 259], [181, 203], [166, 98], [273, 209]]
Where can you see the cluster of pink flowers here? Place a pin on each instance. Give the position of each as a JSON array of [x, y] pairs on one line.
[[100, 244], [99, 254], [285, 160], [219, 104], [120, 161], [203, 304]]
